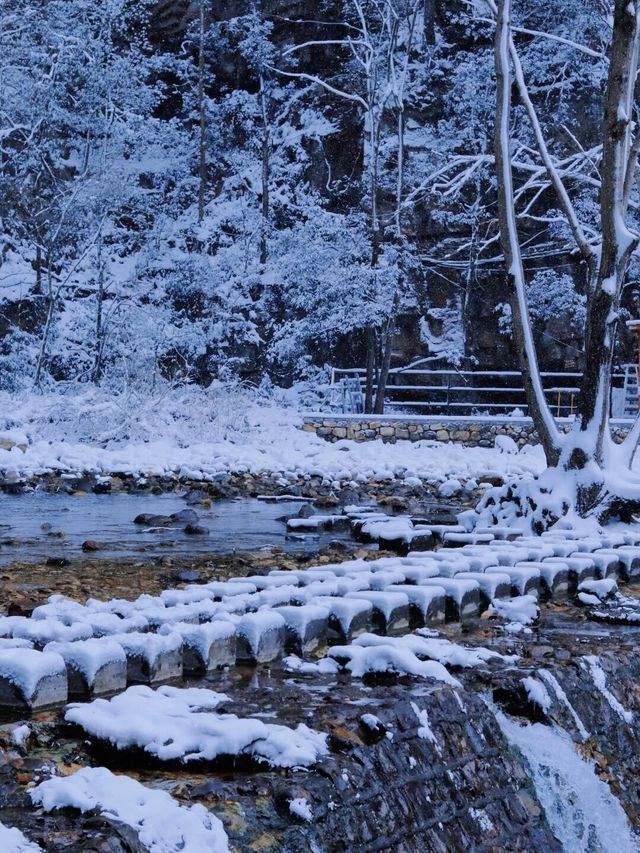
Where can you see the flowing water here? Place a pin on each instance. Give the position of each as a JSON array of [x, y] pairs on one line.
[[38, 526], [581, 810]]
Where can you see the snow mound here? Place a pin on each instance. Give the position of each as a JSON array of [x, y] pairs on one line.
[[170, 725], [163, 826], [13, 841]]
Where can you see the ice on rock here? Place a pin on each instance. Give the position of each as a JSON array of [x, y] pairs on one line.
[[537, 693], [262, 582], [170, 725], [161, 823], [30, 680], [93, 666]]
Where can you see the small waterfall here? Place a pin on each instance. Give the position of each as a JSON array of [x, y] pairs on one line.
[[581, 810]]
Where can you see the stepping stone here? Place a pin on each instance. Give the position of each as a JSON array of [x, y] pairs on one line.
[[607, 564], [278, 596], [151, 658], [479, 559], [561, 548], [459, 540], [554, 577], [506, 534], [94, 667], [260, 637], [462, 597], [226, 589], [492, 585], [348, 617], [415, 574], [426, 604], [524, 581], [31, 680], [381, 580], [628, 560], [159, 616], [390, 615], [581, 568], [439, 530], [262, 581], [310, 576], [206, 648], [105, 624], [44, 631], [305, 628], [188, 595]]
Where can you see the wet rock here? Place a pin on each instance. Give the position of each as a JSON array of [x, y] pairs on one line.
[[372, 728], [58, 562], [196, 530], [91, 545]]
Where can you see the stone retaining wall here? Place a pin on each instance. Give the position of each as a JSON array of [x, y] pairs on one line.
[[472, 432]]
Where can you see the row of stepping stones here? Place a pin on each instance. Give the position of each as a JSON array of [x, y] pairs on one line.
[[70, 650]]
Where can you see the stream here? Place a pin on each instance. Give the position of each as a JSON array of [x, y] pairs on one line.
[[39, 526]]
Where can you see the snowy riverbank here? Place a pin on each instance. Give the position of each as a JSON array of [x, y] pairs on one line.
[[201, 437]]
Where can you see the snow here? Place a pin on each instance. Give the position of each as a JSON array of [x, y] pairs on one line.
[[537, 692], [169, 724], [424, 730], [13, 841], [161, 823], [20, 734], [89, 656], [253, 626], [26, 668], [270, 440], [300, 808], [600, 681], [522, 609]]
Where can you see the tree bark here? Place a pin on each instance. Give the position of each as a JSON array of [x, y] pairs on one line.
[[202, 147], [370, 337], [266, 147], [538, 407], [618, 243]]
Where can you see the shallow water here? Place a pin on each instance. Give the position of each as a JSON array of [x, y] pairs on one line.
[[241, 525]]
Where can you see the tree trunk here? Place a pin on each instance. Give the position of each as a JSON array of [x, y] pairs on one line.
[[384, 368], [370, 337], [538, 407], [202, 154], [266, 146], [617, 242]]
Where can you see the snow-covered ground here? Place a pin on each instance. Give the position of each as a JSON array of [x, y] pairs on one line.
[[201, 434]]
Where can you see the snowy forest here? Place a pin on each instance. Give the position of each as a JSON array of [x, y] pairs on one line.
[[319, 426], [201, 192]]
